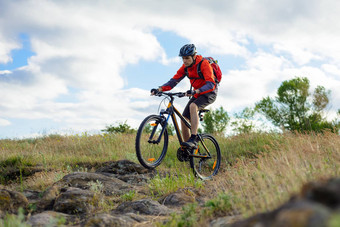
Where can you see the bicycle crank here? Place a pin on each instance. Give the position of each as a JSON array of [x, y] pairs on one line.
[[183, 155]]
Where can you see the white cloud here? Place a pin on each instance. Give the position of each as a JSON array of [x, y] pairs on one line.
[[333, 70], [3, 72], [4, 122], [263, 76], [5, 49], [81, 48]]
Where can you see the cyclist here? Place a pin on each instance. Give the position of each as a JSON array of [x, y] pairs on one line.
[[204, 90]]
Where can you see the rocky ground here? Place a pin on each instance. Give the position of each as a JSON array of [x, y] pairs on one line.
[[95, 199], [75, 199]]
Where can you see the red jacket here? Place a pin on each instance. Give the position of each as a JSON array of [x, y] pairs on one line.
[[204, 85]]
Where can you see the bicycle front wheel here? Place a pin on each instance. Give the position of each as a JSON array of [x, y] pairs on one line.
[[206, 158], [151, 141]]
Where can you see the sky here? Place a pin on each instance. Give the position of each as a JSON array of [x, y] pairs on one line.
[[77, 66]]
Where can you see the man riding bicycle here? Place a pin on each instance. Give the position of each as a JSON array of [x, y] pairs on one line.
[[204, 89]]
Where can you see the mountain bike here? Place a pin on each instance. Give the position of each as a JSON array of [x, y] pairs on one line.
[[153, 138]]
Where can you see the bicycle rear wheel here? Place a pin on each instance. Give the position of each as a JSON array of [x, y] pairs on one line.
[[151, 141], [206, 159]]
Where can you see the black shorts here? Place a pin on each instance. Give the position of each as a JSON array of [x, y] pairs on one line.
[[202, 101]]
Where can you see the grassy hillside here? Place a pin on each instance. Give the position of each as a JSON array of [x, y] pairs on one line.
[[258, 172]]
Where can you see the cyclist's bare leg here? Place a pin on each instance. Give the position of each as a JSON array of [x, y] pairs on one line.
[[185, 131], [193, 118]]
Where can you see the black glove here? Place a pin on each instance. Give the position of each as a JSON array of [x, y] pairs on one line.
[[191, 92], [154, 91]]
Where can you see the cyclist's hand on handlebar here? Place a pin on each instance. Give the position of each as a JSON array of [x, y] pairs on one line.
[[154, 91], [190, 92], [182, 94]]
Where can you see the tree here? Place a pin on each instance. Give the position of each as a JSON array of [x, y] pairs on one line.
[[215, 121], [243, 122], [292, 109], [121, 128]]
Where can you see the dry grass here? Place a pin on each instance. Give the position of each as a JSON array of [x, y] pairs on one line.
[[265, 168], [54, 156], [263, 183], [61, 151]]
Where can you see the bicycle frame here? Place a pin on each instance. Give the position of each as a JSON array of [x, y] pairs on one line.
[[172, 111]]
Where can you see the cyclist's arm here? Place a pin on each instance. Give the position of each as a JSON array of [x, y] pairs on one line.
[[208, 87], [170, 84], [174, 80]]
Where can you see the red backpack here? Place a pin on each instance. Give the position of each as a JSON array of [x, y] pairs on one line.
[[215, 67]]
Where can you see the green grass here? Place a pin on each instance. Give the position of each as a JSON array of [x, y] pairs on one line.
[[129, 196], [189, 216], [220, 206], [193, 215], [259, 171], [248, 145], [14, 220], [59, 152], [163, 185]]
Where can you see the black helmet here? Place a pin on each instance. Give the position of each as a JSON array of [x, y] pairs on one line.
[[187, 50]]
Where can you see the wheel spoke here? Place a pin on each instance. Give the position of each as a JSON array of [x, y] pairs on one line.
[[151, 144], [206, 159]]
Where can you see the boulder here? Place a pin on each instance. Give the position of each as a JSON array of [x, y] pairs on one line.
[[325, 192], [123, 167], [135, 179], [32, 196], [102, 220], [50, 218], [48, 198], [178, 198], [224, 221], [83, 180], [110, 185], [76, 201], [302, 213], [11, 201], [314, 206], [144, 206]]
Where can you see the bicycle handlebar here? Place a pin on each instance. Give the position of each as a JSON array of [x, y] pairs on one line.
[[170, 94]]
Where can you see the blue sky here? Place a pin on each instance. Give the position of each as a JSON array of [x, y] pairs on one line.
[[77, 66]]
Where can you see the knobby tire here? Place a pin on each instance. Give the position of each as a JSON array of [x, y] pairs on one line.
[[206, 168], [149, 154]]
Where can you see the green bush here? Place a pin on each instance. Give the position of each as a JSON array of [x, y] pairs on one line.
[[121, 128], [220, 206]]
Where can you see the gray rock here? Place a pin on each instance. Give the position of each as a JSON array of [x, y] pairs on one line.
[[76, 201], [136, 217], [111, 185], [179, 198], [326, 193], [224, 221], [123, 167], [313, 207], [50, 218], [135, 179], [31, 195], [303, 213], [144, 206], [10, 201], [102, 220], [82, 180], [48, 198], [78, 195]]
